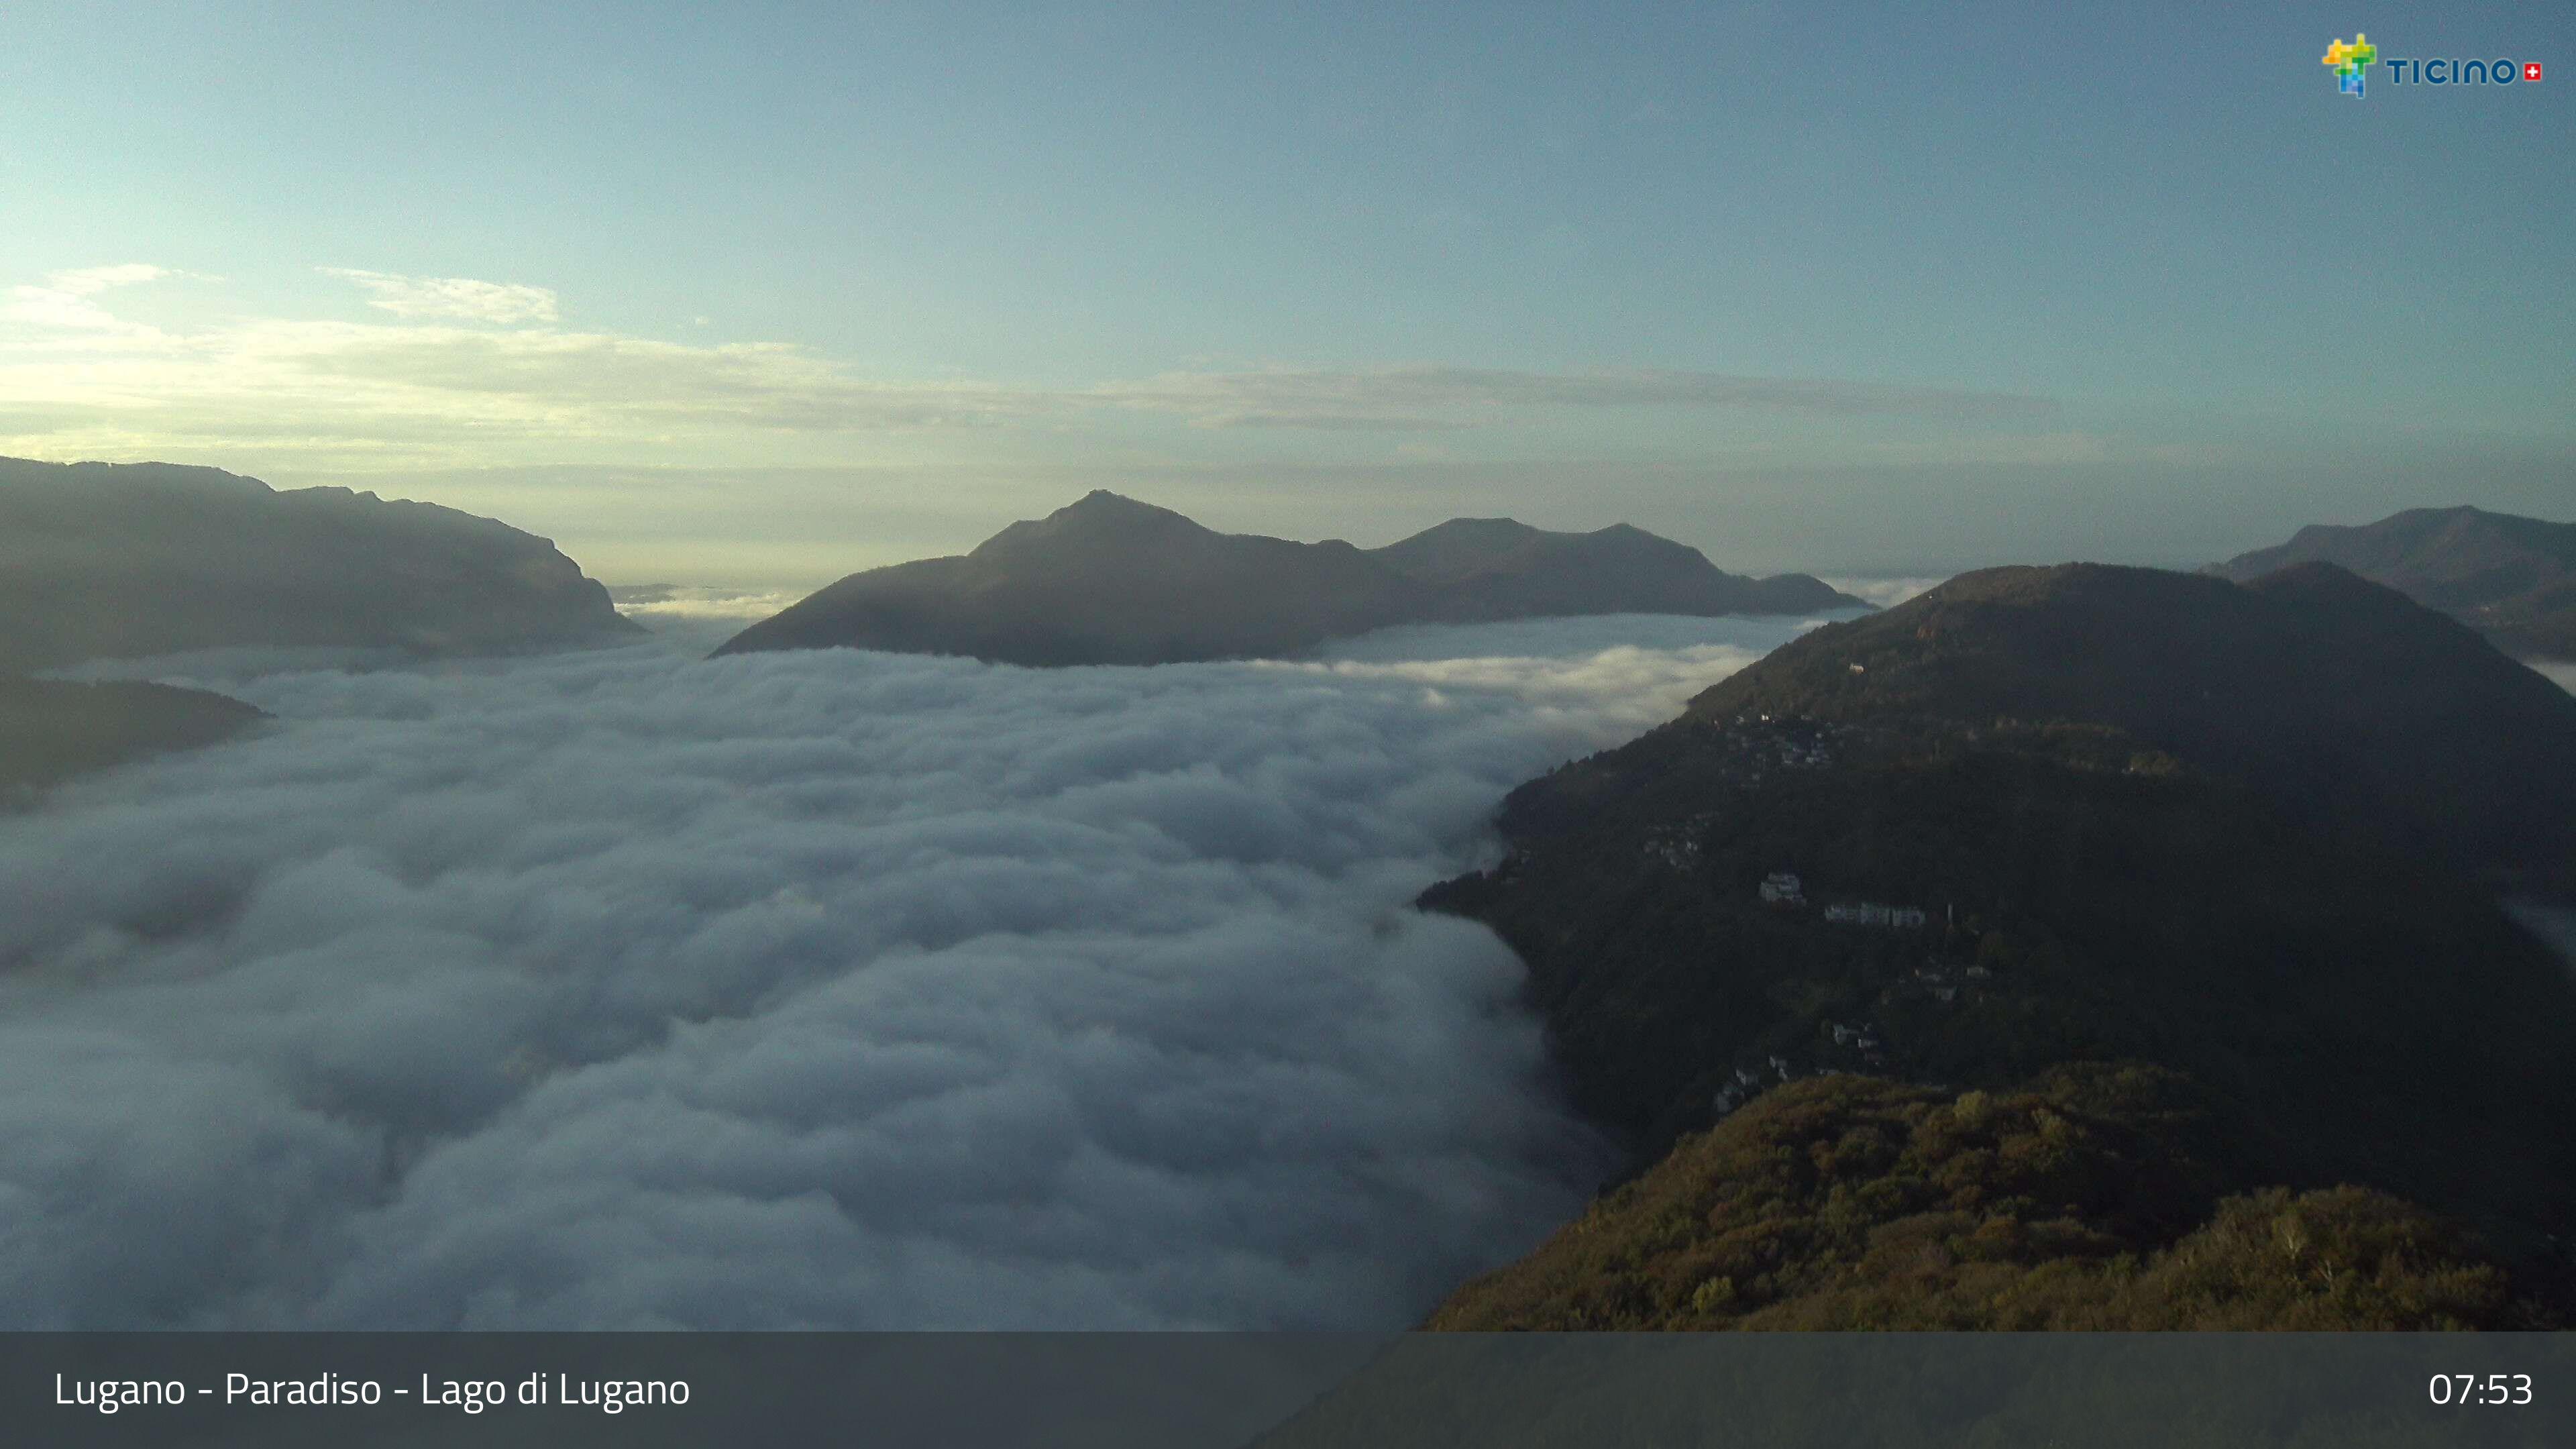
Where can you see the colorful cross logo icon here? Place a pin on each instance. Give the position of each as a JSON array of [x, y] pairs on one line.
[[2350, 62], [2531, 70]]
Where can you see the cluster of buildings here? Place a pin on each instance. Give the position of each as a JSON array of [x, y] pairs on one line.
[[1812, 756], [1783, 889], [1759, 743], [1871, 913], [1747, 1083], [1672, 848], [1678, 846], [1935, 980], [1863, 1036], [1858, 1043]]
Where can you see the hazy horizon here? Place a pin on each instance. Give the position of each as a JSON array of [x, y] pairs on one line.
[[765, 300]]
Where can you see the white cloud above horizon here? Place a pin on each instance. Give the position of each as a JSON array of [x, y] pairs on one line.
[[451, 297], [475, 371], [61, 303], [86, 281]]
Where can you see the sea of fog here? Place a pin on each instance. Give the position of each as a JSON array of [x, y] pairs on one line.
[[629, 988]]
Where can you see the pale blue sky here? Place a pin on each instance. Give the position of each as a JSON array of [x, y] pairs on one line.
[[776, 292]]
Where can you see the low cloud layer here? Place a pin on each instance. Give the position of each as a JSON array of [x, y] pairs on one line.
[[1887, 593], [668, 603], [630, 989]]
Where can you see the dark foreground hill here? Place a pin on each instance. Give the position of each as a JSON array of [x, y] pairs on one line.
[[1109, 580], [126, 560], [2041, 820], [50, 730], [2310, 682], [2513, 578]]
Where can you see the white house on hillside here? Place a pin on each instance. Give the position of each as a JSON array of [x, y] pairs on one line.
[[1871, 913]]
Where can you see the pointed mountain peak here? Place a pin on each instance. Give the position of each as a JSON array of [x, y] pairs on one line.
[[1098, 519], [1503, 528], [1102, 507], [1101, 500]]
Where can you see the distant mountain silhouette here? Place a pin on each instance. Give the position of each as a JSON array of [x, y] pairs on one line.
[[1109, 580], [51, 730], [1497, 568], [125, 560], [2513, 578]]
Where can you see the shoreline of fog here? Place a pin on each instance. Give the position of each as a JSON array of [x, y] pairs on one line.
[[1887, 591], [632, 989], [649, 604]]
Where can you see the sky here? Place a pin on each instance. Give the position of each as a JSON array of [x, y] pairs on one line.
[[760, 295]]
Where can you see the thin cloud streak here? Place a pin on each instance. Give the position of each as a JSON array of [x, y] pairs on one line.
[[450, 297], [62, 303], [481, 371], [87, 281], [1422, 397]]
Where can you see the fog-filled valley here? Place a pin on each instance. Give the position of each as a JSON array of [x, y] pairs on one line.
[[1108, 959], [627, 988], [1286, 728]]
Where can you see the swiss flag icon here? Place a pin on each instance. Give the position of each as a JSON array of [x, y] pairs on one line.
[[2531, 70]]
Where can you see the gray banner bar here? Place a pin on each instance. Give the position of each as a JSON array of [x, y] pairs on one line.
[[1291, 1391]]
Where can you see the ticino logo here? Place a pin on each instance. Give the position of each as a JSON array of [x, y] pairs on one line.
[[2351, 62]]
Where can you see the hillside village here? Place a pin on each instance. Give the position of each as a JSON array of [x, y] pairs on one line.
[[1939, 980], [1943, 974]]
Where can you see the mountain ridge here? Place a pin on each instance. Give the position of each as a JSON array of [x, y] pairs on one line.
[[2513, 578], [107, 560], [1111, 580]]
